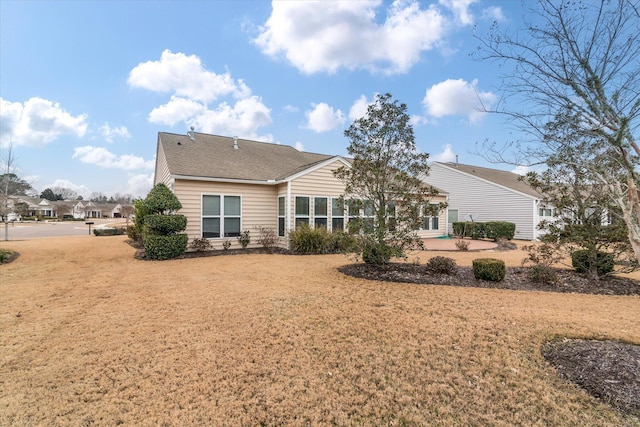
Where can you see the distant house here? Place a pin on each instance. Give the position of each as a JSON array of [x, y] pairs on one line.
[[59, 209], [228, 185], [484, 194]]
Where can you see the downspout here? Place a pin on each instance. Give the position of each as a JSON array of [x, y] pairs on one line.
[[287, 218], [536, 220]]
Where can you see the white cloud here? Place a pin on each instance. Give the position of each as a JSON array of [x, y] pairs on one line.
[[299, 146], [446, 155], [323, 118], [320, 36], [186, 77], [290, 109], [359, 108], [139, 185], [457, 97], [104, 158], [521, 170], [37, 122], [192, 88], [242, 119], [109, 133], [493, 13], [461, 9]]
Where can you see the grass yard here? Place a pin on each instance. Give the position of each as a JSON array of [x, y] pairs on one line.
[[91, 336]]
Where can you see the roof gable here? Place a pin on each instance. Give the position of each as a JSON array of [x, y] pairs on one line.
[[213, 156], [505, 179]]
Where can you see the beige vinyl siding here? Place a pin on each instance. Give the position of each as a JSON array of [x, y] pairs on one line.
[[317, 183], [259, 206], [488, 201], [162, 169]]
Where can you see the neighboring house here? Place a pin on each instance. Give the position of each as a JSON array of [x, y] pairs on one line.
[[228, 185], [36, 207], [483, 194]]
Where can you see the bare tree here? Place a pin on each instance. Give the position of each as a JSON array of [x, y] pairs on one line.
[[581, 59], [6, 186]]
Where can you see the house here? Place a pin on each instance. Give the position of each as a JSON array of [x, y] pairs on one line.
[[484, 194], [228, 185]]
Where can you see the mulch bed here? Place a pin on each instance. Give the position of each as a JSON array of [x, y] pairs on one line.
[[516, 279], [608, 370]]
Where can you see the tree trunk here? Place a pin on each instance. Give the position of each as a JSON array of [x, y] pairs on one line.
[[631, 217], [6, 230]]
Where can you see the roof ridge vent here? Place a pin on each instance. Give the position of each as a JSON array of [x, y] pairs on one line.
[[192, 133]]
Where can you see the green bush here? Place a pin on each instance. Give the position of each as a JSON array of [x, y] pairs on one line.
[[379, 253], [165, 224], [133, 233], [475, 230], [442, 265], [165, 247], [342, 242], [306, 240], [542, 274], [161, 200], [598, 262], [490, 269], [496, 230], [118, 231]]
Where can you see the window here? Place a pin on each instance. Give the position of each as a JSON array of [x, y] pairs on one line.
[[545, 212], [337, 215], [320, 210], [221, 216], [431, 219], [453, 215], [302, 211], [281, 216]]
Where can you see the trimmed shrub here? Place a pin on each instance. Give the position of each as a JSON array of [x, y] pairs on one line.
[[165, 224], [458, 228], [586, 261], [490, 269], [496, 230], [165, 247], [118, 231], [161, 200], [442, 265]]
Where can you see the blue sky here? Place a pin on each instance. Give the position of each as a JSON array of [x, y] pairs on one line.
[[85, 86]]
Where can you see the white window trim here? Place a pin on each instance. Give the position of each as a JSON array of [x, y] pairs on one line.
[[221, 216]]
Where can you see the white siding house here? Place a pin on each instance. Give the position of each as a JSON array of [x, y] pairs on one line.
[[483, 194]]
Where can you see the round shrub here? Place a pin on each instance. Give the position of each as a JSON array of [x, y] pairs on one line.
[[165, 224], [490, 269], [586, 261], [442, 265], [165, 247]]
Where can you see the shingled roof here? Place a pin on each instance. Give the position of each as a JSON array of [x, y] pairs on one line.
[[213, 156], [504, 178]]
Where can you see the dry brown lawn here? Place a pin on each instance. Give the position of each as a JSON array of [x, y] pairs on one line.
[[91, 336]]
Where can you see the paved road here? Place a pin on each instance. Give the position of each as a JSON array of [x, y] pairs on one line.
[[34, 230]]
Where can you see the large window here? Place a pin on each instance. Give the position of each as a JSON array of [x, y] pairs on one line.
[[431, 218], [302, 210], [221, 216], [320, 211], [337, 215], [281, 216]]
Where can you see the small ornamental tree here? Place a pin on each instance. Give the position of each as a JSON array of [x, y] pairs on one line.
[[384, 182], [161, 230]]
